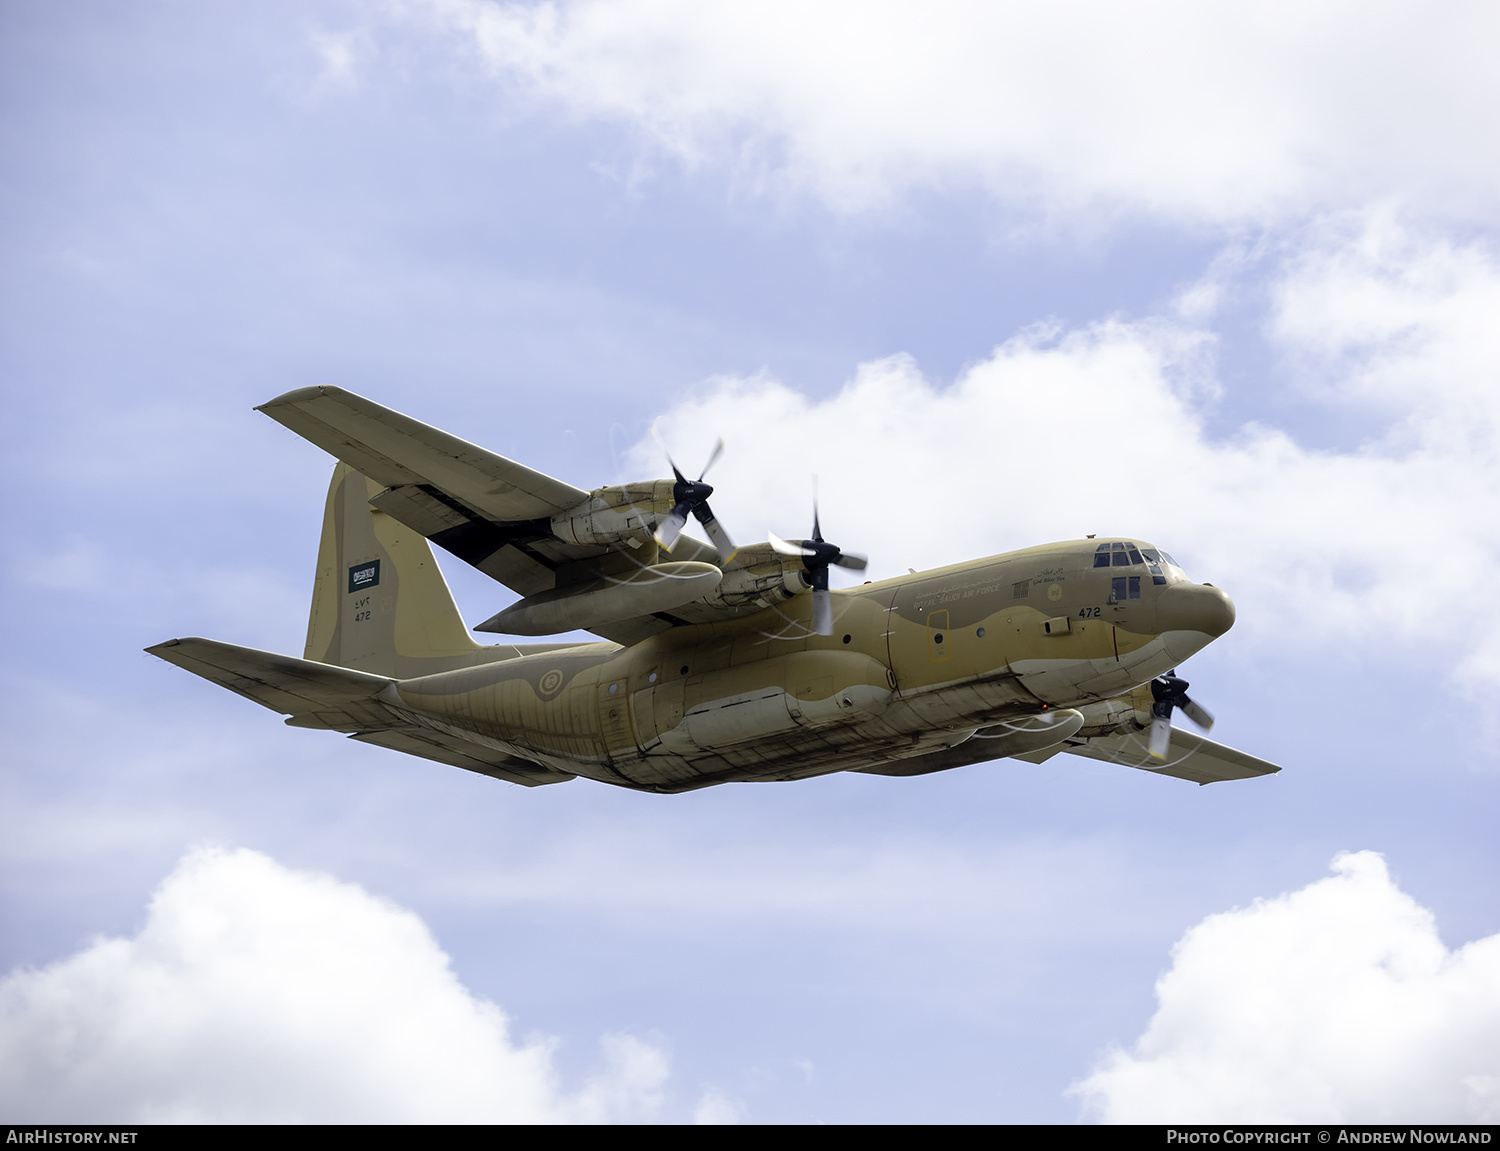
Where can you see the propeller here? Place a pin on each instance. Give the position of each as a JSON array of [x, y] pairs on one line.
[[817, 555], [1171, 692], [692, 496]]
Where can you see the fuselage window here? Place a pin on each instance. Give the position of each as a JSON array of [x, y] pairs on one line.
[[1125, 587]]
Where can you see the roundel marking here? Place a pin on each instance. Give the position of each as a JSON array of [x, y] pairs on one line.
[[550, 682]]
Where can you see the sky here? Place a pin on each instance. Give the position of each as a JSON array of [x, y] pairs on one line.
[[1218, 277]]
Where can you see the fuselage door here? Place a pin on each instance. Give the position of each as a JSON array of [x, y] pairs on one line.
[[614, 718], [939, 642]]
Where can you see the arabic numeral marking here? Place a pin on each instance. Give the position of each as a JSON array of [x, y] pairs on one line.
[[1088, 613], [361, 616]]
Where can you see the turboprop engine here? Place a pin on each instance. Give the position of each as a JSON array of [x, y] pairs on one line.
[[633, 513], [759, 576], [625, 514]]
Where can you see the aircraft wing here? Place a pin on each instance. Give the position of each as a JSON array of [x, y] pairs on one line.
[[398, 451], [1191, 757], [482, 508], [320, 695]]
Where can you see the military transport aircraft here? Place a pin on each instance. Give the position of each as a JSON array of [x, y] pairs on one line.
[[715, 664]]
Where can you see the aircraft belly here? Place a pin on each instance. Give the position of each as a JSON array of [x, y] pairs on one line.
[[797, 754]]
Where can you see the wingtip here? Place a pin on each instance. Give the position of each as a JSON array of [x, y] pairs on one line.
[[299, 395]]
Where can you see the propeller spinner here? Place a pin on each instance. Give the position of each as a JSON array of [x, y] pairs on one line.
[[1171, 692], [817, 555], [692, 496]]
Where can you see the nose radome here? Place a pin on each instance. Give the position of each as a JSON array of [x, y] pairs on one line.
[[1195, 607]]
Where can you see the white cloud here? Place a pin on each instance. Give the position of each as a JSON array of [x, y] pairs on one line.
[[1335, 1003], [1059, 433], [717, 1109], [341, 58], [1221, 112], [258, 994]]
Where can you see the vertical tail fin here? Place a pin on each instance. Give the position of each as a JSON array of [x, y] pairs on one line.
[[380, 604]]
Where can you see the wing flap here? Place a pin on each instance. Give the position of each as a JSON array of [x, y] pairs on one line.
[[396, 450]]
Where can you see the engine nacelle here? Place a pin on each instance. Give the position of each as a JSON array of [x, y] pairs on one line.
[[1122, 715], [625, 514], [759, 575]]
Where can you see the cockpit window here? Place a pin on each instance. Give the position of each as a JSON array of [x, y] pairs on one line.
[[1120, 555], [1124, 554]]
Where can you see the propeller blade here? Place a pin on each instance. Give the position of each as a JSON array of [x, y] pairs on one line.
[[712, 456], [1161, 737], [822, 611], [787, 548], [691, 497], [818, 555], [662, 444], [1196, 712], [716, 533], [671, 527]]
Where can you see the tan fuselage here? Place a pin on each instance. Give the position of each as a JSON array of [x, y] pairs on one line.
[[915, 664]]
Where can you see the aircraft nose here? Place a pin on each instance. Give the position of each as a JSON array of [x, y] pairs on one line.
[[1195, 607]]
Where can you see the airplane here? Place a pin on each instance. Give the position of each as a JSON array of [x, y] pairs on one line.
[[714, 664]]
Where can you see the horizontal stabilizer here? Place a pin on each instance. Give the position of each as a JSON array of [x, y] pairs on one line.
[[320, 695], [301, 688], [396, 450], [461, 753]]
